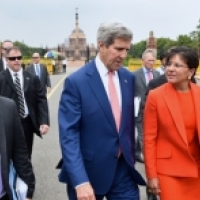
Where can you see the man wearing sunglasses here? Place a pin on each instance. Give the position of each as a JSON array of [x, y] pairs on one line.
[[5, 45], [26, 90]]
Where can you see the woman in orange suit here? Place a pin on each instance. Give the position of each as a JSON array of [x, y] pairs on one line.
[[172, 130]]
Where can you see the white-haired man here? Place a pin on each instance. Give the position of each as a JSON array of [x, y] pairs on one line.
[[96, 123]]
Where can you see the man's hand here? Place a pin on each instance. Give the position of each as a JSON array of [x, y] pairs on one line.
[[44, 129], [48, 89], [153, 186], [85, 192]]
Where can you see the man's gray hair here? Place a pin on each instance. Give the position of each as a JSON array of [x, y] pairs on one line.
[[148, 51], [108, 32]]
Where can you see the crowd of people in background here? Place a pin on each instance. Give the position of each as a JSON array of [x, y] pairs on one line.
[[101, 136]]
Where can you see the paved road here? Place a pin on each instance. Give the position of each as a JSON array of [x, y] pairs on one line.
[[46, 153]]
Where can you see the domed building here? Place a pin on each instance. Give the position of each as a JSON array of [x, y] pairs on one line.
[[75, 49]]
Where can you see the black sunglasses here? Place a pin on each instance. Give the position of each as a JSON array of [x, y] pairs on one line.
[[14, 58]]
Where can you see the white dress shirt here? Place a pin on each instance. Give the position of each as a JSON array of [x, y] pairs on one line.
[[161, 70], [20, 75], [103, 72]]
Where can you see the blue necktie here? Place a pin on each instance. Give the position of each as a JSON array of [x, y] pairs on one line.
[[38, 70]]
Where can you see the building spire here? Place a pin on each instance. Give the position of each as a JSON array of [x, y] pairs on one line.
[[77, 20]]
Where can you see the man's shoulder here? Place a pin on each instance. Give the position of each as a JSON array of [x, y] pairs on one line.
[[3, 73], [42, 65], [156, 72], [30, 75], [29, 66], [85, 69], [138, 71], [126, 72]]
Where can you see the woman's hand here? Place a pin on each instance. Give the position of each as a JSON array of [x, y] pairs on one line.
[[153, 186]]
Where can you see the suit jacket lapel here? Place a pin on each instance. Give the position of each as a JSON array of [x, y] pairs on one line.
[[1, 65], [171, 100], [154, 74], [41, 70], [26, 80], [142, 76], [9, 79], [99, 91], [124, 96], [33, 69]]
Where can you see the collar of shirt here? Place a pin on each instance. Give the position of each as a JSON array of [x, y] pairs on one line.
[[103, 72], [36, 65], [19, 73], [101, 68], [145, 70]]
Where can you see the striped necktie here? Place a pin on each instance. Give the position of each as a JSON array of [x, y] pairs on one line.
[[20, 96]]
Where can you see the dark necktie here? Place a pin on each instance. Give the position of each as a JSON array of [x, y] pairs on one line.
[[20, 96]]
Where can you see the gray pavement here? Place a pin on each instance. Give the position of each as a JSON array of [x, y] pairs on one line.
[[46, 152]]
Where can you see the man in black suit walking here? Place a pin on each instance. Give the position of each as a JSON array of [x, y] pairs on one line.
[[5, 45], [26, 90], [13, 147], [40, 70]]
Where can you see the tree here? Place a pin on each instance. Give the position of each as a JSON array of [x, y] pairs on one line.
[[186, 40], [27, 51], [195, 36], [137, 49]]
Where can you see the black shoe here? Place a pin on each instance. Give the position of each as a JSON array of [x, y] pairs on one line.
[[139, 158]]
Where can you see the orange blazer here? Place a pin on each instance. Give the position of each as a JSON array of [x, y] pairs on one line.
[[165, 142]]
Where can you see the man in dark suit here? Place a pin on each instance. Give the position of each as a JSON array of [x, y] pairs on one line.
[[26, 90], [13, 147], [96, 123], [41, 71], [142, 78], [5, 45], [158, 81]]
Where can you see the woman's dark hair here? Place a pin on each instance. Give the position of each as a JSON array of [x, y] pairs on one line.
[[162, 56], [188, 55]]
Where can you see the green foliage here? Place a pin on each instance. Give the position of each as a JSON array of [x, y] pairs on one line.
[[163, 44], [125, 62], [26, 50], [137, 49]]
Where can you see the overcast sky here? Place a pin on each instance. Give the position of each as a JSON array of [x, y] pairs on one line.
[[50, 22]]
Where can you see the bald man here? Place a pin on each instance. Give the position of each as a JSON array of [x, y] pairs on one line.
[[40, 70]]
